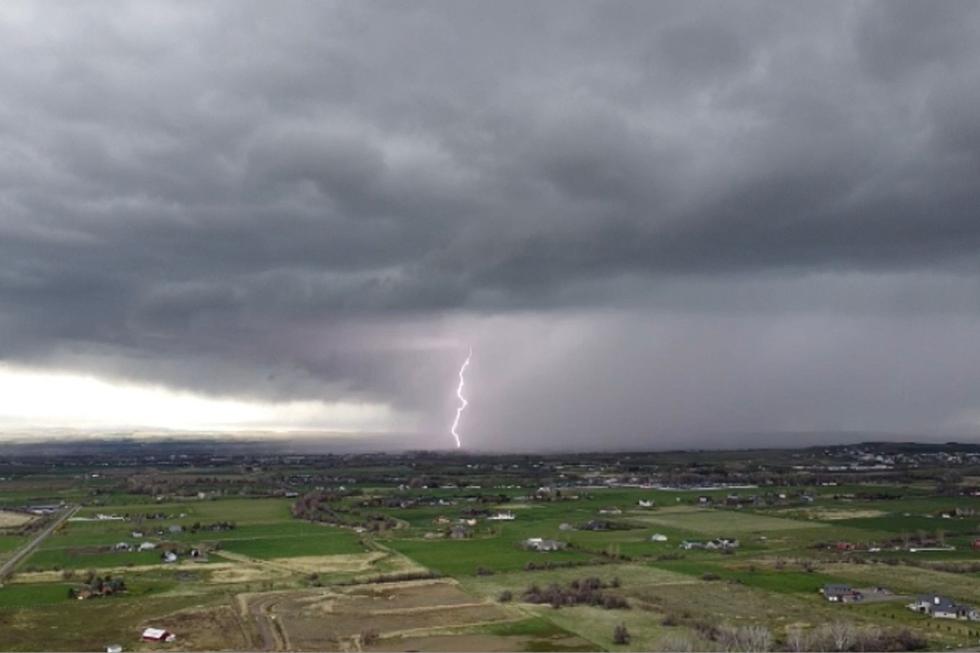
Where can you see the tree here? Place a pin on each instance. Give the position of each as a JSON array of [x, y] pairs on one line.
[[796, 639], [369, 637], [842, 635], [621, 635]]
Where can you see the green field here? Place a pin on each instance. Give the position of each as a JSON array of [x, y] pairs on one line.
[[389, 568]]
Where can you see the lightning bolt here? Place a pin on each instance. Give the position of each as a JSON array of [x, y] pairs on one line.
[[462, 400]]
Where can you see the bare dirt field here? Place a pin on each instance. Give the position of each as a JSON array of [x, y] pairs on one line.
[[328, 564], [335, 620], [473, 643], [210, 629], [415, 594], [834, 514], [10, 519]]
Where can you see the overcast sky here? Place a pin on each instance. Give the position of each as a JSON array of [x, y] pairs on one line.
[[654, 223]]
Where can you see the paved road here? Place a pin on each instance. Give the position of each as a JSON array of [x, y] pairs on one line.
[[7, 568]]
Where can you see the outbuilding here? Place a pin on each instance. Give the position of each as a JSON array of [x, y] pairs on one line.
[[158, 635]]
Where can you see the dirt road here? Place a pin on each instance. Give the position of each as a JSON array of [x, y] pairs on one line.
[[8, 567]]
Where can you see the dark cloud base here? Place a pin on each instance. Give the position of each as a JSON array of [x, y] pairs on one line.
[[314, 201]]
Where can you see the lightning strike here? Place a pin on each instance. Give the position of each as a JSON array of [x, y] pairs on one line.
[[462, 400]]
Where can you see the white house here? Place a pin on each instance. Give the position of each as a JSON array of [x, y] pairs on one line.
[[541, 544], [505, 515], [645, 503], [658, 537], [943, 607]]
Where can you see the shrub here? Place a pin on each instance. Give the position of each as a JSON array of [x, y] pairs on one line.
[[369, 637], [506, 596], [621, 635]]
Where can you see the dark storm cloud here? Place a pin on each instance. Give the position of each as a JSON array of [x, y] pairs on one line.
[[327, 201]]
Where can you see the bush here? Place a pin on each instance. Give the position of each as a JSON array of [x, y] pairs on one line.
[[585, 591], [369, 637], [506, 596], [621, 635]]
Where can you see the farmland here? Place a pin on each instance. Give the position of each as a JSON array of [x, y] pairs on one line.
[[393, 553]]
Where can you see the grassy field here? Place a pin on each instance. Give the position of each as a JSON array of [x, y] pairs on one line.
[[272, 564]]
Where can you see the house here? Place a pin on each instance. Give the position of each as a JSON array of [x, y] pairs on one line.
[[113, 648], [726, 543], [123, 546], [169, 557], [137, 533], [840, 593], [658, 537], [688, 545], [158, 635], [541, 544], [506, 515], [147, 546], [943, 607], [704, 500], [645, 503], [459, 532], [565, 526], [612, 510], [175, 528]]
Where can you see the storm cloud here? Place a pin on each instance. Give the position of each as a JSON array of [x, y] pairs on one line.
[[656, 223]]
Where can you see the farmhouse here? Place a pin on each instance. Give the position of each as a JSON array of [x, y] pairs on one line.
[[943, 607], [722, 543], [840, 593], [540, 544], [158, 635]]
